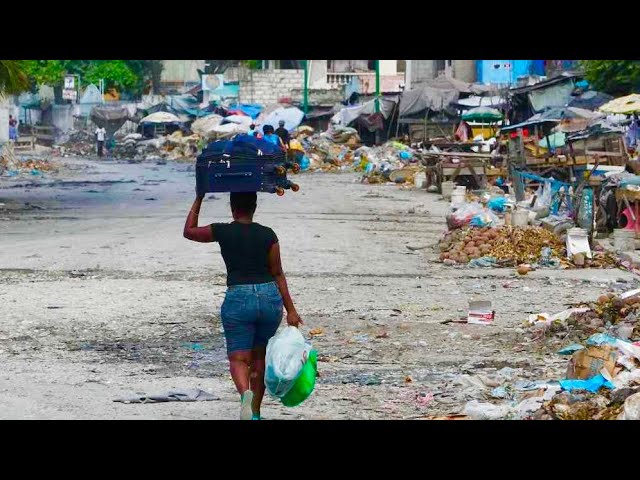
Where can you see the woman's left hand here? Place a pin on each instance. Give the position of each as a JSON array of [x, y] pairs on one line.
[[293, 319]]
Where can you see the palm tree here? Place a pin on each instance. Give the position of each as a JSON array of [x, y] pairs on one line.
[[13, 80]]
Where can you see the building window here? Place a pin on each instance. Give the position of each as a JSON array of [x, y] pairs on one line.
[[371, 64], [401, 66]]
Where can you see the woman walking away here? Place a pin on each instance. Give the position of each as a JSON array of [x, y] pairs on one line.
[[257, 290]]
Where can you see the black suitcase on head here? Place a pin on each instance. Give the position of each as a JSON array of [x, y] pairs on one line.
[[244, 164]]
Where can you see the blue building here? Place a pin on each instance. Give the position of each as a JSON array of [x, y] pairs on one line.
[[506, 72]]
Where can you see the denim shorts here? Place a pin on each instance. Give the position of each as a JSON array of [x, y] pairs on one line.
[[250, 315]]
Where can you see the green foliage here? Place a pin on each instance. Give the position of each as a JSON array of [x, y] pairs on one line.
[[128, 75], [616, 77], [253, 64], [45, 72], [115, 73], [13, 78]]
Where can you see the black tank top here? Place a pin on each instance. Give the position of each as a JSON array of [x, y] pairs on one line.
[[245, 250]]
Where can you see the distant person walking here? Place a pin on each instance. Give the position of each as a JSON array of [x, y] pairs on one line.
[[13, 130], [283, 133], [100, 136]]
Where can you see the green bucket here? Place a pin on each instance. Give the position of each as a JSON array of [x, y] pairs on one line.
[[304, 384]]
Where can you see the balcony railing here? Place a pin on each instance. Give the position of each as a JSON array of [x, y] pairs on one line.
[[336, 80]]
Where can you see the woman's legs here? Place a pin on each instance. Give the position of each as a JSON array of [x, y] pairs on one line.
[[256, 377], [239, 364]]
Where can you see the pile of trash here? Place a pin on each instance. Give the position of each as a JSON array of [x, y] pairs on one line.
[[391, 162], [602, 377], [76, 143], [602, 382], [328, 151], [618, 315], [10, 166]]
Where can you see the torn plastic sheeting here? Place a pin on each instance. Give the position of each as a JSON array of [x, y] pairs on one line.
[[238, 119], [592, 384], [570, 349], [546, 319], [483, 262], [347, 115], [629, 349], [602, 339], [626, 379], [487, 411]]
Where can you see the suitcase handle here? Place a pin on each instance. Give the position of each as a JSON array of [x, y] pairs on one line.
[[234, 174]]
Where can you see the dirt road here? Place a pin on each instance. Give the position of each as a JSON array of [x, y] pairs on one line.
[[102, 297]]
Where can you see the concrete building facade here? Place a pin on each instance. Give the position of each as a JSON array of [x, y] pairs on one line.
[[419, 72]]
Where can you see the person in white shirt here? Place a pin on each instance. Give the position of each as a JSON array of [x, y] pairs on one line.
[[100, 136]]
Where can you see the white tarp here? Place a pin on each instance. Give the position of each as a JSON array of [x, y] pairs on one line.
[[161, 117], [239, 119], [292, 118], [349, 114], [477, 101], [229, 130]]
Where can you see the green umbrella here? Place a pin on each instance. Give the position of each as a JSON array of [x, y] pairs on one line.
[[482, 114]]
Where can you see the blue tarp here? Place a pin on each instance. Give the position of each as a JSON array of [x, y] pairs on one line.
[[250, 109]]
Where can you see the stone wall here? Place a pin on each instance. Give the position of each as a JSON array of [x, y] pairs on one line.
[[266, 87]]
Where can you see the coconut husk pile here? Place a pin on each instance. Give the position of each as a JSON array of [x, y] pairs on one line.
[[508, 245]]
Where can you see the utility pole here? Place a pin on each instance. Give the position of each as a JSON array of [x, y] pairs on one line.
[[377, 86], [305, 101]]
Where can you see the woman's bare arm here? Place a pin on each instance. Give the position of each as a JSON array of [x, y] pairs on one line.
[[191, 229], [275, 267]]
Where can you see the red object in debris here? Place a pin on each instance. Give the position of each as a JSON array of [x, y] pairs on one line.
[[525, 132]]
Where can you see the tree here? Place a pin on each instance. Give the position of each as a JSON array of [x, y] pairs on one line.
[[115, 73], [13, 79], [616, 77], [45, 72], [147, 71]]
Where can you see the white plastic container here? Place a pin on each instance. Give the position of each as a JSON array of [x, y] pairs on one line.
[[520, 218], [578, 242], [624, 240], [447, 189], [420, 179], [458, 197]]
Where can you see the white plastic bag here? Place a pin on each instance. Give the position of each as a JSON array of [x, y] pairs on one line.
[[287, 353], [487, 411]]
